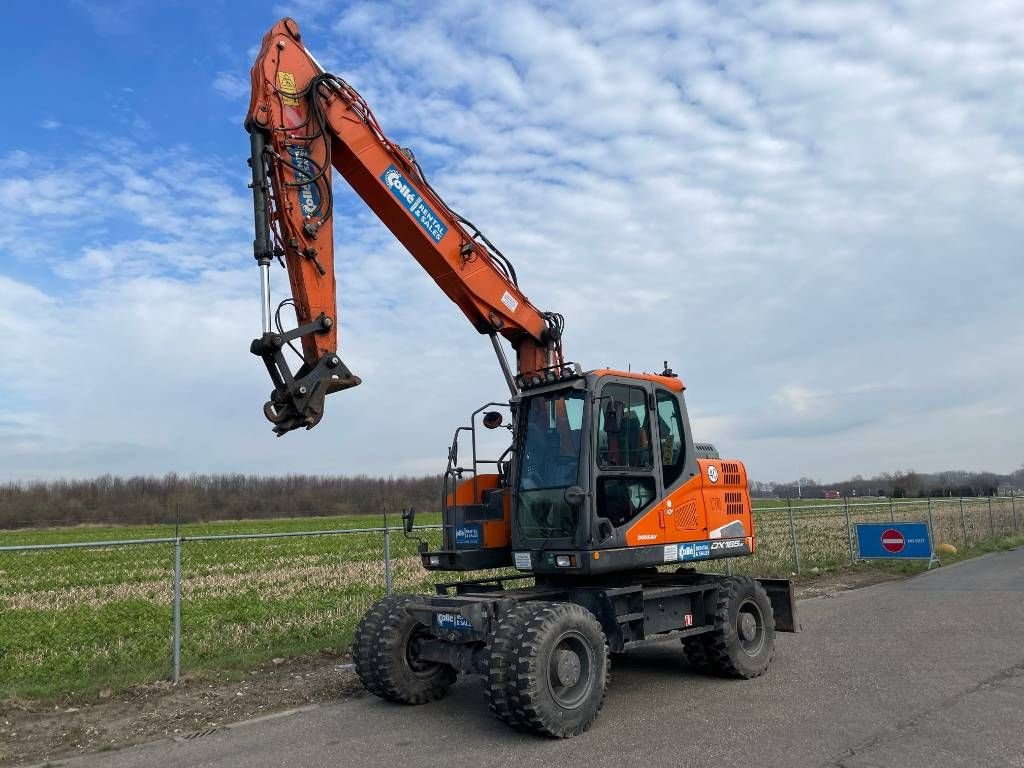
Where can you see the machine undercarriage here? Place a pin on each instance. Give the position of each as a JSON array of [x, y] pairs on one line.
[[543, 651]]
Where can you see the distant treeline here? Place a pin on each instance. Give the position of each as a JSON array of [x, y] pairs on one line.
[[197, 498], [898, 485]]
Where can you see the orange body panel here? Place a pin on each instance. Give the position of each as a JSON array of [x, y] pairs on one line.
[[496, 533], [700, 509], [362, 154]]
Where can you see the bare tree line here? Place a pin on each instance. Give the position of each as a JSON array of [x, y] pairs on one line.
[[146, 500], [908, 484]]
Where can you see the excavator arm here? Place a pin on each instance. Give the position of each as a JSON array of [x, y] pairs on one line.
[[302, 122]]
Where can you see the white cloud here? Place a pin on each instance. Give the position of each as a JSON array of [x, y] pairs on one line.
[[49, 124], [231, 85], [812, 210]]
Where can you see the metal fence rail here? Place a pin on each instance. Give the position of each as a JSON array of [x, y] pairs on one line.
[[76, 616]]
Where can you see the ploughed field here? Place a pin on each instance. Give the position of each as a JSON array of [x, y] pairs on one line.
[[80, 620]]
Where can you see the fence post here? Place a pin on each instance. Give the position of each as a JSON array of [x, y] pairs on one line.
[[792, 533], [1013, 510], [991, 521], [931, 526], [963, 521], [892, 511], [176, 632], [387, 559], [849, 528]]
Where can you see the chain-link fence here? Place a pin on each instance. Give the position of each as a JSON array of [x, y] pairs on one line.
[[81, 616], [794, 538]]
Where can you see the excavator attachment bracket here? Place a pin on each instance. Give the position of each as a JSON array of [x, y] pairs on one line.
[[298, 398]]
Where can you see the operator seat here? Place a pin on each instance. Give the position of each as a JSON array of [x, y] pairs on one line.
[[636, 441]]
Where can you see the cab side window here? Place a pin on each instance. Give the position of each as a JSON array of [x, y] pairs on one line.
[[670, 428], [630, 444]]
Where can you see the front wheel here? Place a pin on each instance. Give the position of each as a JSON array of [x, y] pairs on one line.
[[498, 673], [561, 669]]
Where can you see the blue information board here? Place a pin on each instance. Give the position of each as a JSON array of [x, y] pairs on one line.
[[877, 541]]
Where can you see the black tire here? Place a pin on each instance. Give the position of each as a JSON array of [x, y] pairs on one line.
[[743, 641], [382, 659], [695, 654], [364, 644], [561, 669], [498, 672]]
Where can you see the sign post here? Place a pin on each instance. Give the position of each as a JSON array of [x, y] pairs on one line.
[[895, 541]]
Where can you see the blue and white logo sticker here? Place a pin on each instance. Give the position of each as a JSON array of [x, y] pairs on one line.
[[453, 621], [411, 199], [467, 536], [309, 194], [695, 550]]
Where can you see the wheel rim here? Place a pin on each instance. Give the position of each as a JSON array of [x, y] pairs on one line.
[[750, 627], [420, 668], [570, 670]]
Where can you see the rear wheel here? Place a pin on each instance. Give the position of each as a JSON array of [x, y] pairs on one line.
[[383, 658], [561, 669], [696, 654], [743, 641]]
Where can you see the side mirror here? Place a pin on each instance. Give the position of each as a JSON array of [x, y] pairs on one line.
[[613, 415], [409, 519], [492, 419], [574, 495]]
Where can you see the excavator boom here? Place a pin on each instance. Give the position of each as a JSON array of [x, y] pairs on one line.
[[302, 122]]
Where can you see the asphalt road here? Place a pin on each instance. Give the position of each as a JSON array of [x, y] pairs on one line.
[[925, 672]]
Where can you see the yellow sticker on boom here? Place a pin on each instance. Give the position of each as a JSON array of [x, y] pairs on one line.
[[286, 84]]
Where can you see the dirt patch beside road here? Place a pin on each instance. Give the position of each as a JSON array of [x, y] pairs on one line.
[[828, 584], [32, 732]]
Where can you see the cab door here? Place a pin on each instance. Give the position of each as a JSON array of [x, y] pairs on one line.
[[678, 515], [626, 480]]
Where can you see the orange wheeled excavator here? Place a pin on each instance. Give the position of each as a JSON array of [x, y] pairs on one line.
[[602, 501]]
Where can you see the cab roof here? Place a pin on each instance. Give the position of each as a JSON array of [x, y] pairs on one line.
[[673, 383]]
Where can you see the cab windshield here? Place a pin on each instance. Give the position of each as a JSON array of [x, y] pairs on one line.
[[550, 463]]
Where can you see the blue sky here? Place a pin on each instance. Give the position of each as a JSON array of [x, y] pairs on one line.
[[813, 211]]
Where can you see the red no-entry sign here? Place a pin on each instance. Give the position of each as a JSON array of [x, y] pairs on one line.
[[893, 540]]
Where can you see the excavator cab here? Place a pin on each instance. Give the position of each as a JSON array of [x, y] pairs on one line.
[[601, 474]]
